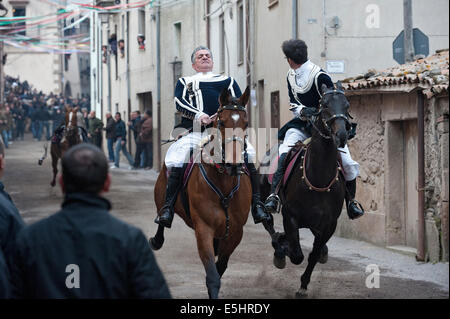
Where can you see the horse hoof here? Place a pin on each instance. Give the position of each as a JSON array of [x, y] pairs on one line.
[[155, 245], [323, 259], [324, 255], [40, 163], [301, 294], [280, 263]]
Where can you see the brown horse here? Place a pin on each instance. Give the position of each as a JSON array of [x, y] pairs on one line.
[[70, 138], [217, 220]]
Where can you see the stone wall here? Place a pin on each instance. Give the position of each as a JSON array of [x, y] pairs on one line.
[[368, 150], [436, 176], [381, 186]]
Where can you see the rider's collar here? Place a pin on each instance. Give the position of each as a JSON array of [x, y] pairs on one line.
[[206, 75], [303, 73]]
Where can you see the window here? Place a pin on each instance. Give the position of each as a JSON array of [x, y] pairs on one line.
[[222, 42], [20, 12], [141, 22], [275, 109], [66, 62], [241, 37], [177, 48]]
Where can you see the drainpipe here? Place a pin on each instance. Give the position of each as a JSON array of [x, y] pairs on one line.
[[248, 53], [128, 73], [208, 35], [294, 19], [421, 176], [109, 73], [158, 81]]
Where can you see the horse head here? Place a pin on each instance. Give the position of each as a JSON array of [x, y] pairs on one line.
[[232, 122], [334, 113], [71, 122]]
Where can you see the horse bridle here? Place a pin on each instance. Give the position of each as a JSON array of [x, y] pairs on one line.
[[328, 121], [224, 200], [219, 123], [223, 167]]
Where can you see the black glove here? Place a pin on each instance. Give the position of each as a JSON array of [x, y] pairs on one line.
[[308, 111], [352, 131]]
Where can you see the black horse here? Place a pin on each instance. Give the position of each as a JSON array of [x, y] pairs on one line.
[[314, 195]]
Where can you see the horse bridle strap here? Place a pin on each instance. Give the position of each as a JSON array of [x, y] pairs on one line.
[[232, 108], [224, 200], [311, 186]]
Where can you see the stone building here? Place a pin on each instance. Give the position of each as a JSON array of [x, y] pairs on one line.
[[387, 106]]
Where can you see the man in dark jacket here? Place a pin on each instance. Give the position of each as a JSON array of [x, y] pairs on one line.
[[83, 251], [144, 142], [58, 117], [135, 126], [95, 130], [121, 142], [110, 135], [10, 224], [5, 290]]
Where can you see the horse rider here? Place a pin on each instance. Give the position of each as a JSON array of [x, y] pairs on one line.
[[59, 132], [197, 98], [304, 81]]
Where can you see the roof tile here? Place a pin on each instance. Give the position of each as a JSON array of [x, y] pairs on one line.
[[432, 73]]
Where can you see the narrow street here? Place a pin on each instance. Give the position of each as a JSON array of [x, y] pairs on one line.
[[251, 273]]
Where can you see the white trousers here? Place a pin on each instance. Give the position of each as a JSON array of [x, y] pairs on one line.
[[351, 168], [178, 153]]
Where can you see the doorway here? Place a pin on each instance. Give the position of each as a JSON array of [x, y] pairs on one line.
[[401, 189]]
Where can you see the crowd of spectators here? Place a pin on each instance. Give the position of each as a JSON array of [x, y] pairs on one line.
[[25, 109], [28, 111]]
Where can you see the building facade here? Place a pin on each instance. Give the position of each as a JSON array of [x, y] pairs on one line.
[[47, 70], [245, 37], [31, 65]]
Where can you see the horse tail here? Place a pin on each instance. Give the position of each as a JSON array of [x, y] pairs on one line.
[[41, 160]]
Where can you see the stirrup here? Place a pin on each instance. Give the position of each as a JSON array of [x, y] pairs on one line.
[[276, 199], [358, 205]]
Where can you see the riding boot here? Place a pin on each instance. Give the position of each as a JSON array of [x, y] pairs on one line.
[[354, 209], [273, 200], [173, 185], [258, 212]]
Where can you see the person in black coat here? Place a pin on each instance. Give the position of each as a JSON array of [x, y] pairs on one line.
[[82, 251], [10, 224], [4, 278]]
